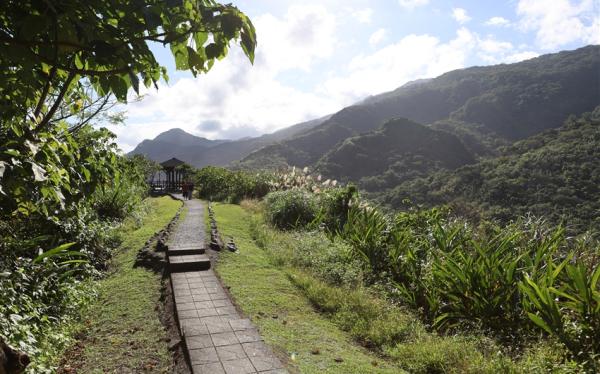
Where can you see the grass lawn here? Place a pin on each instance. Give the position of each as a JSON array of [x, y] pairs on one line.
[[286, 319], [122, 332]]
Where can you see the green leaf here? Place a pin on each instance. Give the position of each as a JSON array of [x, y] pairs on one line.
[[540, 322], [39, 173], [53, 252]]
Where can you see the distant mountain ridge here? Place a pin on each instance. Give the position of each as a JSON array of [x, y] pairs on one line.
[[199, 152], [483, 106], [173, 143]]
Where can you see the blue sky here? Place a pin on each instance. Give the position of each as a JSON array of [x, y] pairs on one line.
[[315, 57]]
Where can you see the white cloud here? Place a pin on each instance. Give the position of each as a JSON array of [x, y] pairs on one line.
[[460, 15], [303, 35], [411, 4], [560, 22], [412, 57], [520, 56], [494, 51], [239, 99], [363, 15], [497, 21], [377, 37]]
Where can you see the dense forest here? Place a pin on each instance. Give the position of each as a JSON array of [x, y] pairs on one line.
[[555, 175]]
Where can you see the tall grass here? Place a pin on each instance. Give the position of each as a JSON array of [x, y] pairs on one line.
[[513, 282]]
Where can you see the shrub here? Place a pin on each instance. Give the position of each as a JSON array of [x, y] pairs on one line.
[[295, 208], [220, 184], [335, 204], [564, 301]]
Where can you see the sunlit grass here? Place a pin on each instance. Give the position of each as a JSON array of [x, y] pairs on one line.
[[122, 331]]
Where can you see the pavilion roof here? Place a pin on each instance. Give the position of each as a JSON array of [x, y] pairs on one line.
[[171, 163]]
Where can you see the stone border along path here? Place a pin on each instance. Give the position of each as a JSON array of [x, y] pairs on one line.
[[217, 339]]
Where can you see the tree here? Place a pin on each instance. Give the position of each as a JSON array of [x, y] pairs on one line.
[[54, 51], [62, 61]]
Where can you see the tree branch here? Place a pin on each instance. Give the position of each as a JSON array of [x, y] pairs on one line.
[[89, 118], [57, 102]]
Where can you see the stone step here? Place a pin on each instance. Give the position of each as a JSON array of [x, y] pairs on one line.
[[184, 250], [188, 263]]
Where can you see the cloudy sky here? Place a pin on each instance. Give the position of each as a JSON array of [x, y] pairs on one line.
[[316, 56]]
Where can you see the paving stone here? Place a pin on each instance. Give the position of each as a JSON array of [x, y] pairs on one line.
[[217, 327], [226, 310], [211, 319], [202, 297], [214, 290], [195, 284], [214, 368], [182, 292], [184, 299], [191, 313], [204, 304], [181, 286], [221, 303], [247, 336], [256, 349], [203, 356], [218, 296], [199, 341], [207, 312], [240, 366], [184, 306], [224, 338], [276, 371], [231, 352], [240, 324], [229, 317], [266, 363], [193, 327]]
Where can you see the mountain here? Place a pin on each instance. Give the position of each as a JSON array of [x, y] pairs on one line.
[[554, 174], [201, 152], [486, 107], [399, 145], [173, 143]]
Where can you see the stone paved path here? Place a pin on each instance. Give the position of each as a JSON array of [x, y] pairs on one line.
[[217, 338]]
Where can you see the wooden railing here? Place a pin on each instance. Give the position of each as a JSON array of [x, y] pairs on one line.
[[164, 186]]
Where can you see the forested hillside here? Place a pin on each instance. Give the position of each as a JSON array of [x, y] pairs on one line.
[[484, 106], [401, 147], [555, 175]]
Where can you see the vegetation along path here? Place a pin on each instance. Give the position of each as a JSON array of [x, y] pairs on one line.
[[217, 338]]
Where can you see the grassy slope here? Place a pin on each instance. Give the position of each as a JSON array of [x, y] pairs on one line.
[[122, 331], [286, 319]]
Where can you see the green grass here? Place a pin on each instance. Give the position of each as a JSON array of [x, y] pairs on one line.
[[122, 331], [286, 319]]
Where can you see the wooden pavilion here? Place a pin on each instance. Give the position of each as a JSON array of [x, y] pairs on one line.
[[173, 176]]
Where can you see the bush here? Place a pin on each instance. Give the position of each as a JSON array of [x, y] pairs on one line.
[[295, 208], [335, 204], [220, 184]]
